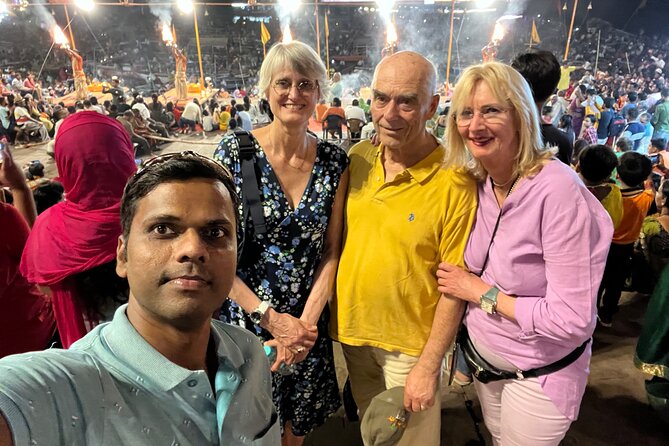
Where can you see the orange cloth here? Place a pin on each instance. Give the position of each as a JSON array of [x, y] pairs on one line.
[[320, 111], [635, 207], [334, 111]]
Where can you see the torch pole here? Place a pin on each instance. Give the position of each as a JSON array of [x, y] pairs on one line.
[[450, 45], [327, 44], [49, 53], [571, 29], [318, 30], [67, 17], [599, 37], [199, 52]]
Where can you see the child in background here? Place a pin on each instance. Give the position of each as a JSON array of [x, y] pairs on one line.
[[633, 170], [589, 131], [595, 165]]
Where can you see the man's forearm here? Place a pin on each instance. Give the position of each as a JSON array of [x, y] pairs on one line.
[[444, 327]]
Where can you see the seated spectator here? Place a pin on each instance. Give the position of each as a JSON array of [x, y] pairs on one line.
[[162, 371], [223, 119], [244, 118], [207, 122], [47, 195], [321, 108], [26, 317], [27, 124], [144, 147], [6, 127], [71, 250], [191, 115], [265, 115], [355, 112], [334, 109], [156, 109], [168, 117]]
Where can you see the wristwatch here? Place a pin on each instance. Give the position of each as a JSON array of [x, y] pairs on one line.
[[257, 314], [489, 300]]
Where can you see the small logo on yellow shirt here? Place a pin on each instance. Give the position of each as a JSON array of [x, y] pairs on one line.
[[411, 217]]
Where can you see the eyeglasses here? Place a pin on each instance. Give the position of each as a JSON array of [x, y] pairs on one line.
[[490, 114], [283, 87], [155, 161]]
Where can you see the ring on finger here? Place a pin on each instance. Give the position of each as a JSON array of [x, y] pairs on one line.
[[300, 349]]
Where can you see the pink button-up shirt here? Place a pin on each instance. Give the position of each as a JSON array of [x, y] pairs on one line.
[[549, 251]]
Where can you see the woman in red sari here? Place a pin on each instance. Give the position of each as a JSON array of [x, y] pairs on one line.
[[71, 250]]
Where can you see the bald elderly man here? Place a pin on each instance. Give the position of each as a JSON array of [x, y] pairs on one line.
[[405, 213]]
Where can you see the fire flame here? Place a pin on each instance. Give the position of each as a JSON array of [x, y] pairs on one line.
[[391, 34], [59, 37], [168, 38], [498, 33], [287, 38]]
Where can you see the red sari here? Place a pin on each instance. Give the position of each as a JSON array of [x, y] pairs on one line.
[[95, 159]]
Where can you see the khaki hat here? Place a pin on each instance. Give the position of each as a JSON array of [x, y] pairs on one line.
[[386, 419]]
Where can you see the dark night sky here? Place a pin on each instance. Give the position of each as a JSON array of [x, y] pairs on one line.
[[654, 17]]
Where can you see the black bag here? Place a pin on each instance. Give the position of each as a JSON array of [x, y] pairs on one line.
[[251, 201], [486, 372]]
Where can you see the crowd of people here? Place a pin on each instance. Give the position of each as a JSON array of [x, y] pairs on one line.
[[405, 249]]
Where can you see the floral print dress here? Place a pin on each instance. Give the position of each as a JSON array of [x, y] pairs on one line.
[[279, 268]]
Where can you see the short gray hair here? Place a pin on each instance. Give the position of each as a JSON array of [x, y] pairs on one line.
[[299, 57]]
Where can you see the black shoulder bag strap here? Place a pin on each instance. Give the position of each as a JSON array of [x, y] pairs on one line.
[[250, 190]]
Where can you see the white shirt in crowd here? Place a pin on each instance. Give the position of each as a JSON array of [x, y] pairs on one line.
[[247, 124], [192, 112], [355, 112], [143, 110]]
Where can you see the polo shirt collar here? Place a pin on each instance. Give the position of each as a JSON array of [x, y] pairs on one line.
[[133, 353], [424, 168]]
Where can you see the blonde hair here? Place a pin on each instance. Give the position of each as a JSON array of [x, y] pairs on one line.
[[509, 87], [296, 56]]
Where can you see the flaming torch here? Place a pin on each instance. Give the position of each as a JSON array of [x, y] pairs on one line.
[[168, 38], [489, 52], [287, 38], [391, 40], [59, 37], [498, 33]]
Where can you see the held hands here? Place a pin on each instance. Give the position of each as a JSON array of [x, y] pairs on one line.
[[292, 333], [285, 355], [420, 388], [456, 282]]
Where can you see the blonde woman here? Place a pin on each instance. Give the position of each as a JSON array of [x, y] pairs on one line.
[[535, 258]]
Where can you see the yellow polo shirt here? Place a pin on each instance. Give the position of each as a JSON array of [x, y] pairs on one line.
[[396, 234]]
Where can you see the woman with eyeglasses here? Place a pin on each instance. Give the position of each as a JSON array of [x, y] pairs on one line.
[[535, 258], [285, 275]]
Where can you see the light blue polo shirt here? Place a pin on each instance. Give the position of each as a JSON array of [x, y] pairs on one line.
[[113, 388]]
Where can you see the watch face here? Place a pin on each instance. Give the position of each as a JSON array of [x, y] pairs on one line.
[[256, 317], [487, 306]]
